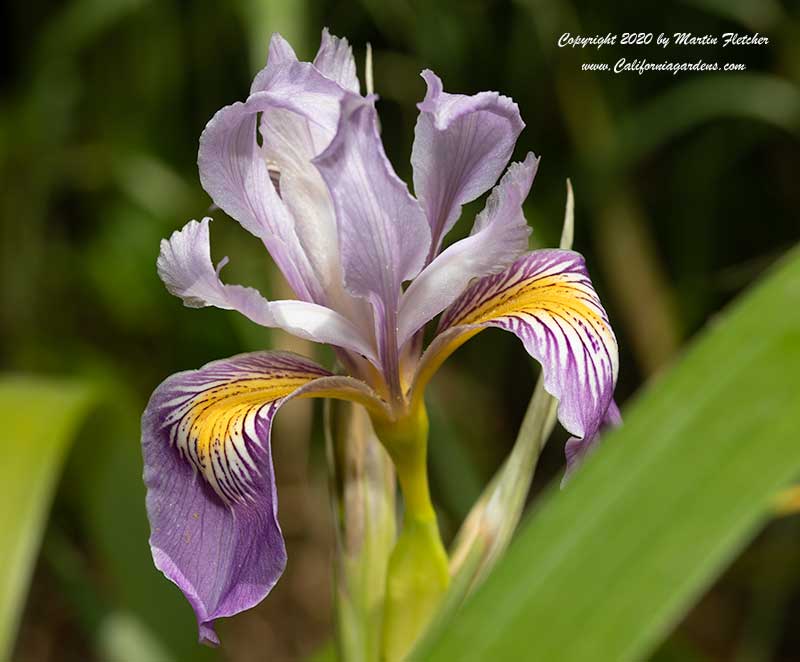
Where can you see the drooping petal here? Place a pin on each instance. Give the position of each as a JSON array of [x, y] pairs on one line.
[[461, 145], [185, 266], [499, 236], [211, 495], [547, 300], [577, 449], [383, 234], [335, 61]]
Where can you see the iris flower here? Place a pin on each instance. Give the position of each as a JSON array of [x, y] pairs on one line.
[[300, 165]]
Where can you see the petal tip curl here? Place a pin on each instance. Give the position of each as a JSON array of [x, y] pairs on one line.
[[183, 261], [446, 107], [335, 61], [435, 89]]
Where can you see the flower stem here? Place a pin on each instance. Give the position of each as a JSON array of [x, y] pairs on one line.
[[418, 574]]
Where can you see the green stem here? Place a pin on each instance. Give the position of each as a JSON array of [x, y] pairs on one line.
[[418, 574]]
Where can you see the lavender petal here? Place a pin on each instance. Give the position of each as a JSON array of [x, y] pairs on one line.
[[461, 145]]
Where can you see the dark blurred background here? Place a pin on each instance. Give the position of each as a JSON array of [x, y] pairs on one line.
[[686, 186]]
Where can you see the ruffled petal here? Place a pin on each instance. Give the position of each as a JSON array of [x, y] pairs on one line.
[[461, 145], [547, 300], [383, 234], [185, 266], [271, 188], [211, 495], [335, 61], [234, 173], [499, 236]]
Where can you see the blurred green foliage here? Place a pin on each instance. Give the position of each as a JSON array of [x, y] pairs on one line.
[[686, 190], [34, 447]]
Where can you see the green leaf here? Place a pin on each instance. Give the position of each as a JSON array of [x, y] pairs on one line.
[[605, 567], [40, 418]]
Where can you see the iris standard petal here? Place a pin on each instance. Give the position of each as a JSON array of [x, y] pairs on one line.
[[234, 173], [211, 495], [383, 234], [273, 188], [547, 300], [280, 52], [335, 61], [499, 236], [291, 139], [185, 266], [461, 145]]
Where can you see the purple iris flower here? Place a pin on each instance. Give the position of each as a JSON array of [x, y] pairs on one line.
[[300, 165]]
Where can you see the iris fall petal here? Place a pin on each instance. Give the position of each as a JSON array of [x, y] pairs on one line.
[[211, 495], [547, 300]]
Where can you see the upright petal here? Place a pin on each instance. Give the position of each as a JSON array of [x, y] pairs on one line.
[[461, 145], [185, 266], [335, 61], [499, 236], [235, 175], [280, 53], [300, 110], [547, 300], [274, 189], [292, 139], [211, 495], [383, 235]]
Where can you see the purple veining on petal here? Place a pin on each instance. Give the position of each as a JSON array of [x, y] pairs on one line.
[[383, 233], [211, 499], [499, 236], [224, 558], [547, 300], [461, 145]]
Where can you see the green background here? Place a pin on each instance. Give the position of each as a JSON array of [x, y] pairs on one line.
[[686, 191]]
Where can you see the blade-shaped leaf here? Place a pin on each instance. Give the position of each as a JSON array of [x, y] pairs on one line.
[[39, 418], [605, 567]]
